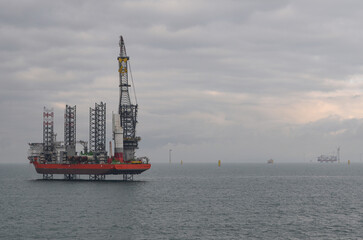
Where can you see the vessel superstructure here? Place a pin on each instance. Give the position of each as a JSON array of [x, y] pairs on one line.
[[60, 157], [330, 158]]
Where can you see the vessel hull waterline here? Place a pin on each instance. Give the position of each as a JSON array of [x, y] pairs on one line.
[[90, 169]]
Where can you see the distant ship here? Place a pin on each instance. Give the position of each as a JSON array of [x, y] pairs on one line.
[[270, 161], [330, 158], [327, 158]]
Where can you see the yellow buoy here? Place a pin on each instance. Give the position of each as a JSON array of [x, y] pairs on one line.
[[181, 162], [219, 163], [348, 162]]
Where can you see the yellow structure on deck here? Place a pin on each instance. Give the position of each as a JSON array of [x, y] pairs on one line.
[[136, 161]]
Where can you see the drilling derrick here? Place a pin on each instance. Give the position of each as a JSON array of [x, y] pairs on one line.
[[127, 110], [70, 130], [97, 134], [48, 135]]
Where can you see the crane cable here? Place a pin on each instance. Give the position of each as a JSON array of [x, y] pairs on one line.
[[132, 80]]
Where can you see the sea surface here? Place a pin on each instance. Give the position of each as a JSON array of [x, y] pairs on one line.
[[189, 201]]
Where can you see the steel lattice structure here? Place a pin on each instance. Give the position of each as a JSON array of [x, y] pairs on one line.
[[48, 130], [127, 110], [97, 134], [70, 126]]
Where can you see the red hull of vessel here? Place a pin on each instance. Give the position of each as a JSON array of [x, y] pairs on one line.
[[90, 168]]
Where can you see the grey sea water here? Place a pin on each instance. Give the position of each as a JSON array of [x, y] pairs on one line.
[[189, 201]]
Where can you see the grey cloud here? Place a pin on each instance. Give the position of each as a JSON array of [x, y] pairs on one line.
[[261, 59]]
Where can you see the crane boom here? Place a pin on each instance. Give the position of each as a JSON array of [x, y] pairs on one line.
[[127, 110]]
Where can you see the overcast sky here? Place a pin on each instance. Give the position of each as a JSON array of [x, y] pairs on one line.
[[240, 81]]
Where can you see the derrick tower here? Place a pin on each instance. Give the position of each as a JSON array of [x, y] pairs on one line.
[[48, 134], [70, 130], [127, 110], [97, 131]]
